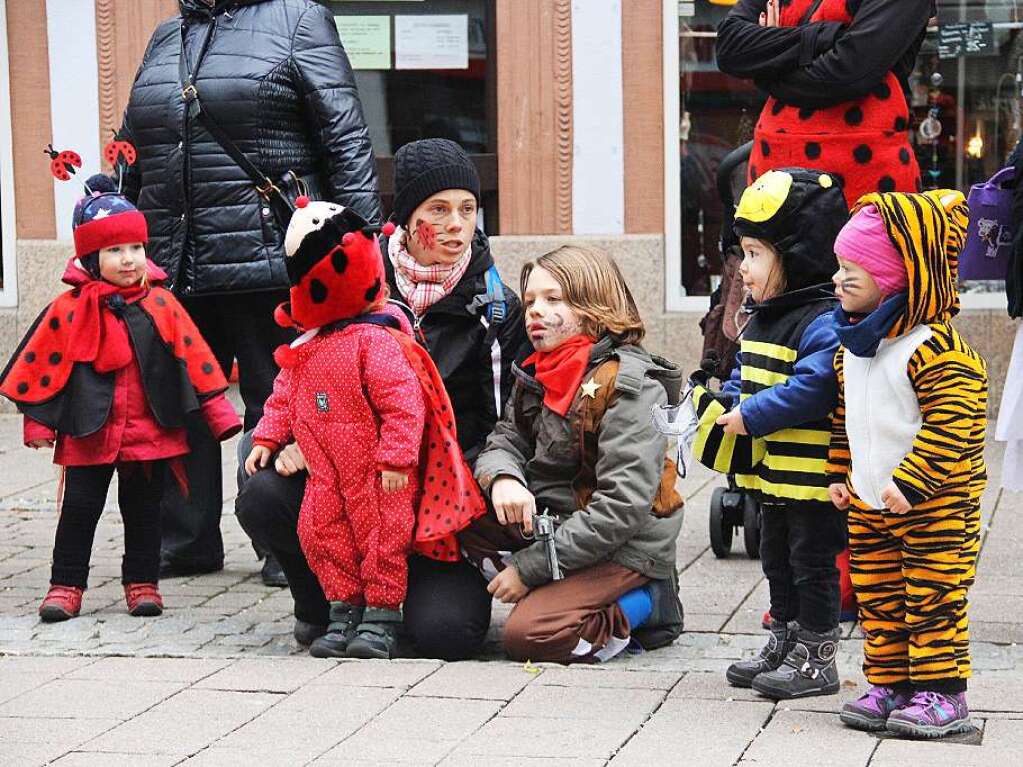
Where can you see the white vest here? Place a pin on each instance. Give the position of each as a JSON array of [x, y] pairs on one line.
[[882, 413]]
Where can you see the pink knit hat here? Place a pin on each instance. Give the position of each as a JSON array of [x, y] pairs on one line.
[[864, 241]]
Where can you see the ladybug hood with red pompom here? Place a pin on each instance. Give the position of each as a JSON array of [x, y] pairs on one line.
[[334, 265]]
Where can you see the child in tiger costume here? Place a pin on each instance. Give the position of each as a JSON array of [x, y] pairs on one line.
[[907, 458]]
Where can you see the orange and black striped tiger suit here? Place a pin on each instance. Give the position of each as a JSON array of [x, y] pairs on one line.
[[927, 387]]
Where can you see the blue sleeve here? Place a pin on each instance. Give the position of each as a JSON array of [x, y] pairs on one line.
[[733, 385], [810, 394]]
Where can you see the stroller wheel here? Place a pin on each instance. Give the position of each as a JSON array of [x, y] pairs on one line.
[[751, 526], [720, 527]]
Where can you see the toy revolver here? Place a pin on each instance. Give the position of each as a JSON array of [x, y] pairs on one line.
[[543, 531]]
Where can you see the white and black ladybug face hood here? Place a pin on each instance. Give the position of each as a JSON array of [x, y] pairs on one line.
[[800, 213], [334, 265]]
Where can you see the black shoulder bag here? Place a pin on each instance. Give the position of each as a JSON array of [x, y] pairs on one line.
[[280, 195]]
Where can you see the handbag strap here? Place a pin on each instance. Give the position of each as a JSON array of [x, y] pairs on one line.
[[190, 95]]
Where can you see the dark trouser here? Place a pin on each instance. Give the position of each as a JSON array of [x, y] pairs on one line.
[[799, 541], [241, 327], [85, 491], [447, 607]]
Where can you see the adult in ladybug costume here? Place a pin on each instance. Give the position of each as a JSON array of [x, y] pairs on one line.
[[835, 72], [368, 409]]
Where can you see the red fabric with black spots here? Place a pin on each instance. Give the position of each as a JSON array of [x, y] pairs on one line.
[[79, 327], [865, 142], [348, 279]]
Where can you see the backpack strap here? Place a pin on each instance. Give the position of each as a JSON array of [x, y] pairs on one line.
[[613, 380], [496, 307]]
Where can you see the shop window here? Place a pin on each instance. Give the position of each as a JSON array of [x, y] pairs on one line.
[[425, 69], [718, 113]]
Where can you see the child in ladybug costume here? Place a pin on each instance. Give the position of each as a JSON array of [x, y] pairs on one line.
[[368, 409], [108, 374]]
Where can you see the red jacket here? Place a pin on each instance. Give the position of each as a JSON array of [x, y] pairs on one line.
[[131, 431]]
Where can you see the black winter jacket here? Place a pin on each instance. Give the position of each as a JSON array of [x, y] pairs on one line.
[[276, 79], [475, 365]]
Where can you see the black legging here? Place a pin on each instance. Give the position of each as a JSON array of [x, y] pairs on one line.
[[447, 607], [85, 492]]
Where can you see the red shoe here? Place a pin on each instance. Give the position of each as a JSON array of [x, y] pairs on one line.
[[143, 599], [61, 603]]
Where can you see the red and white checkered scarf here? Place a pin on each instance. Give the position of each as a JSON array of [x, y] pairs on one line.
[[423, 286]]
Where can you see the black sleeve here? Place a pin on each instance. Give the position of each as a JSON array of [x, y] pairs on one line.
[[131, 182], [335, 114], [880, 35], [746, 49]]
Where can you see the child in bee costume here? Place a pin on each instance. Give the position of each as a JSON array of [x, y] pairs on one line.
[[770, 425]]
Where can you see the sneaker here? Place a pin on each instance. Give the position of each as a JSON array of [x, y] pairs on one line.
[[743, 672], [61, 603], [931, 715], [344, 618], [871, 710], [377, 635], [808, 669], [143, 599]]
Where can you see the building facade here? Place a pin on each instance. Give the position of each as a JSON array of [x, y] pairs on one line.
[[596, 120]]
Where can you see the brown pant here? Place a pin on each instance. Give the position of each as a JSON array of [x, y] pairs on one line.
[[574, 620]]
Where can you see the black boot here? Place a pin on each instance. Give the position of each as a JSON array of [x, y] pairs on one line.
[[808, 669], [743, 672], [666, 616], [377, 635], [343, 620], [272, 572], [306, 633]]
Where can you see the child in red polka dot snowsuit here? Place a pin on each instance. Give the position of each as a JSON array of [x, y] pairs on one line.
[[350, 395]]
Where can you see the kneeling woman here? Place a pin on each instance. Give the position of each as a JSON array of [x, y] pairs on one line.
[[577, 439]]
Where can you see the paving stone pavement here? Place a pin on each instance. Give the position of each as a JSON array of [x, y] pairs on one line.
[[218, 680]]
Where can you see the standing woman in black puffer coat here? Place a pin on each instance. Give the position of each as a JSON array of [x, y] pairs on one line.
[[274, 80]]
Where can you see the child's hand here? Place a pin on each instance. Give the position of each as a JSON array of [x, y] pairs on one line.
[[894, 500], [36, 444], [513, 503], [732, 421], [393, 481], [258, 459], [839, 495], [507, 586]]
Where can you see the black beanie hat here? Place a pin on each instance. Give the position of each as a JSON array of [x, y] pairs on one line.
[[423, 168], [800, 213]]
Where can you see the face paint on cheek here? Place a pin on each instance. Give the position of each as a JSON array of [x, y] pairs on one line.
[[425, 234], [559, 329]]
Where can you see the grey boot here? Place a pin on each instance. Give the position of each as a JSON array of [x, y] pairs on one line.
[[377, 634], [808, 669], [343, 620], [741, 673]]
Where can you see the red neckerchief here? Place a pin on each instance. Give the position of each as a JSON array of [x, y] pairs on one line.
[[561, 370], [98, 336]]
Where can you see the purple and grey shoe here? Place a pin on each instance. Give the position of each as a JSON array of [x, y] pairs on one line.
[[931, 715], [871, 710]]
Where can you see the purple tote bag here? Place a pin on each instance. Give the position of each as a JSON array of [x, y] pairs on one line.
[[985, 255]]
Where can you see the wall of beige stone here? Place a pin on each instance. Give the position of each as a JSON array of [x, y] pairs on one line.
[[674, 335]]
